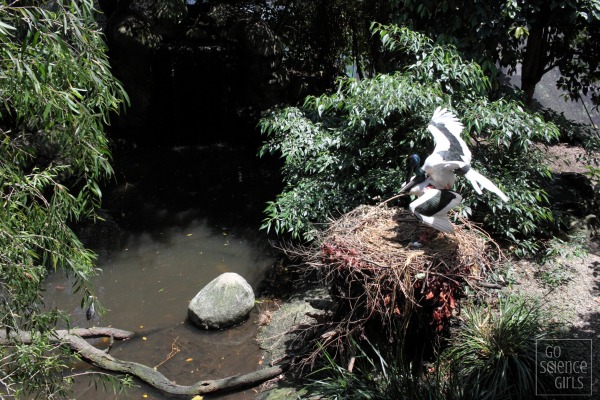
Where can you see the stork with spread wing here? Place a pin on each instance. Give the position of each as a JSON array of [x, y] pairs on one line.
[[432, 182]]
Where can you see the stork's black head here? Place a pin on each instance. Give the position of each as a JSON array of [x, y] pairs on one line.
[[413, 167], [413, 161]]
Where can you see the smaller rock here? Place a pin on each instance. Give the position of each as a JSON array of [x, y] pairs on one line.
[[584, 227], [225, 301]]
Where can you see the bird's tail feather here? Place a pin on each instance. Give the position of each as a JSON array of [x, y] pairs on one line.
[[471, 175], [479, 181], [440, 223]]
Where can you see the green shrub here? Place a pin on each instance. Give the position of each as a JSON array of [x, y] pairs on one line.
[[349, 147], [492, 355], [371, 378]]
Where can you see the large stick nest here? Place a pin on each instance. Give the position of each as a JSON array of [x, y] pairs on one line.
[[374, 274]]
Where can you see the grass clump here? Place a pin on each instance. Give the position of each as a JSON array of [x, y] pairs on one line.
[[493, 354], [371, 376]]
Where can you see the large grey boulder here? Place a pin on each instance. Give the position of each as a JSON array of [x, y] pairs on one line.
[[225, 301]]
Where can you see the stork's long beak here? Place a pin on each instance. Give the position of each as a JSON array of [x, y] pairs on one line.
[[407, 185], [409, 178], [410, 170], [412, 182]]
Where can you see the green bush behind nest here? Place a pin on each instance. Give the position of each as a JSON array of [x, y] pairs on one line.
[[349, 147]]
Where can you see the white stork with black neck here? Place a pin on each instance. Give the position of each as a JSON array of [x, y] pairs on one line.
[[433, 204], [433, 181], [451, 155]]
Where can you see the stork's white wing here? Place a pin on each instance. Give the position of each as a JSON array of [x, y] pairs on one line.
[[446, 129], [432, 208]]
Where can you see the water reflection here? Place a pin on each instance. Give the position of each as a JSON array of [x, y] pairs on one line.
[[146, 287]]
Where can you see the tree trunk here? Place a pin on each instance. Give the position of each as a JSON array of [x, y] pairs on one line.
[[535, 60], [101, 359]]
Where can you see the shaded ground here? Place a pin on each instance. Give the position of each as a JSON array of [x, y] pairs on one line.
[[568, 287], [574, 305], [565, 157]]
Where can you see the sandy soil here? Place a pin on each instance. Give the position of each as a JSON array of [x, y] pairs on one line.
[[575, 304], [567, 158]]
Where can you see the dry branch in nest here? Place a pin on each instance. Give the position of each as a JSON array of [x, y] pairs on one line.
[[374, 276]]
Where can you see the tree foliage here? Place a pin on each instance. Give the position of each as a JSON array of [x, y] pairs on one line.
[[349, 147], [56, 92], [540, 35], [327, 37]]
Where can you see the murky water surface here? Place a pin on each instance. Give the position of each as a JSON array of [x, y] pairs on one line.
[[166, 253]]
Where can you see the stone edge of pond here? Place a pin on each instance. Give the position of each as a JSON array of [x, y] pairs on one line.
[[278, 338]]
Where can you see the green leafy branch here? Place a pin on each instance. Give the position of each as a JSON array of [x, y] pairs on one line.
[[349, 147]]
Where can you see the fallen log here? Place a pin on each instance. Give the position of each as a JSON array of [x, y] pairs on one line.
[[74, 338], [95, 332]]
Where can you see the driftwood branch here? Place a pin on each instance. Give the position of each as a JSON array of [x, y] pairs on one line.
[[490, 285], [74, 338]]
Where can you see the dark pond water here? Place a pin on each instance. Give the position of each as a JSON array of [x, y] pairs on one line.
[[178, 218]]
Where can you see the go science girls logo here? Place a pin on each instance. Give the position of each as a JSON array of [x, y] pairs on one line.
[[564, 367]]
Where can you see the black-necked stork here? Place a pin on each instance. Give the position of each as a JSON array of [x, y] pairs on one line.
[[451, 155], [433, 206]]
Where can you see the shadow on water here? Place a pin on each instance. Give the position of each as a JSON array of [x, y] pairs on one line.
[[176, 219]]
